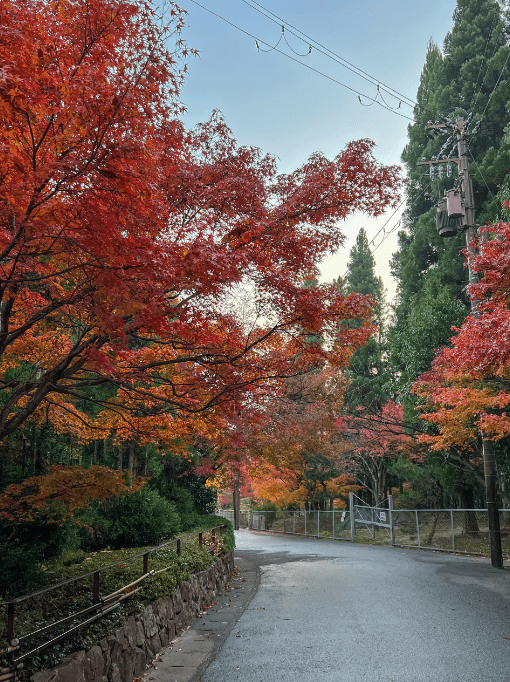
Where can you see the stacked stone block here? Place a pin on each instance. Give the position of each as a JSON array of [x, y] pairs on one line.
[[125, 653]]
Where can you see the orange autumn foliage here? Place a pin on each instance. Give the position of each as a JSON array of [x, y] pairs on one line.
[[54, 497], [124, 237], [296, 457]]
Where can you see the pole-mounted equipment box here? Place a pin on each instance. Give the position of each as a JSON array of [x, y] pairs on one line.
[[454, 204], [446, 227]]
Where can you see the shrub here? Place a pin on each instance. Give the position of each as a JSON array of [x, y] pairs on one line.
[[140, 518], [212, 521], [24, 547], [183, 501], [21, 571]]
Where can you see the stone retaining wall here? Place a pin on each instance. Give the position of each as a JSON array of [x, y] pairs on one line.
[[125, 652]]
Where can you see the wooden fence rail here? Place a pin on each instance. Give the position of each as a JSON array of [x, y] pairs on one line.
[[99, 608]]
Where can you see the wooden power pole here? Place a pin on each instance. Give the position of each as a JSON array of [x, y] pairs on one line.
[[457, 213]]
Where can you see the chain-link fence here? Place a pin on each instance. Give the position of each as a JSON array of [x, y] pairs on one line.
[[451, 530], [244, 517], [335, 525]]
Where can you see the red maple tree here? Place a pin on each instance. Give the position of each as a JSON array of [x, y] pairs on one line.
[[467, 390], [374, 439], [288, 451], [124, 238]]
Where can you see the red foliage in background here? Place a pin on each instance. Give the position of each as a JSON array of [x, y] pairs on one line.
[[467, 390]]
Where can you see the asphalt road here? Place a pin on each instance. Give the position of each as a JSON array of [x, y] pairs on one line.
[[331, 611]]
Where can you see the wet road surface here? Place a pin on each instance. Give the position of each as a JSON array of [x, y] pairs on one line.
[[329, 611]]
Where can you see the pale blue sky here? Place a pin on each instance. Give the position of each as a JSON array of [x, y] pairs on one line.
[[288, 110]]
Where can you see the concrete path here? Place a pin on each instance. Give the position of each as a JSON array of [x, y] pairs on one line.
[[332, 611], [185, 659]]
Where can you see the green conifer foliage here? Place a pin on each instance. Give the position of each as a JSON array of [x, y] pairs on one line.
[[470, 75], [361, 276], [367, 372]]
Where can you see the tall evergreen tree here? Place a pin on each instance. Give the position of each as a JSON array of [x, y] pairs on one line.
[[468, 79], [367, 372], [470, 76]]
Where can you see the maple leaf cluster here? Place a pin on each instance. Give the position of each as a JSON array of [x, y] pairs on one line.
[[167, 265], [303, 447], [290, 452], [374, 439], [467, 391], [54, 497]]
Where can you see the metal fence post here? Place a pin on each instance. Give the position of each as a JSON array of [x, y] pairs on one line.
[[293, 523], [318, 522], [453, 531], [390, 511], [305, 522], [351, 517], [417, 528], [333, 514]]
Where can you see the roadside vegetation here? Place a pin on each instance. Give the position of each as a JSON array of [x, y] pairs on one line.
[[53, 605]]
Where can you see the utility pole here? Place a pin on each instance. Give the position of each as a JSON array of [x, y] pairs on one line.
[[460, 207]]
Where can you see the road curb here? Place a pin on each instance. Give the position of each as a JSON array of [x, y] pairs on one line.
[[187, 657]]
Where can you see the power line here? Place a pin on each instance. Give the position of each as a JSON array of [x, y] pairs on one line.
[[479, 171], [495, 20], [330, 54], [383, 229], [497, 83], [334, 80], [390, 231]]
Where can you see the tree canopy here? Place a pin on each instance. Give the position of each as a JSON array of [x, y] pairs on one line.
[[127, 241]]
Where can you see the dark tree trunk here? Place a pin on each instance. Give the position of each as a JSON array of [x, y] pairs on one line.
[[470, 522], [131, 461]]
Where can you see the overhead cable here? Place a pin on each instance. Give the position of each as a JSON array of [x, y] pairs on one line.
[[383, 230], [329, 53], [334, 80], [494, 22], [497, 83]]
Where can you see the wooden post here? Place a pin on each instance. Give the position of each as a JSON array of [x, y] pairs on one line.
[[95, 587], [178, 546], [146, 563], [10, 622]]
